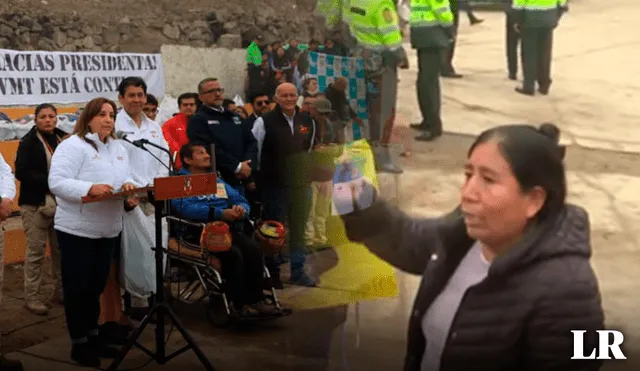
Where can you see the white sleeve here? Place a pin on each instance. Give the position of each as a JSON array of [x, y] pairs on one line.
[[259, 133], [7, 180], [65, 167], [128, 178], [164, 156]]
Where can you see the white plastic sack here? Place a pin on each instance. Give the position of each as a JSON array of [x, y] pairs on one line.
[[21, 129], [404, 10], [65, 124], [238, 101], [138, 266], [168, 107], [7, 130]]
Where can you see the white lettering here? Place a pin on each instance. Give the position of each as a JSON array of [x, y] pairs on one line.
[[604, 345]]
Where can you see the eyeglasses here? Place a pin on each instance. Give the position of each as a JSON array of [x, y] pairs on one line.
[[262, 103], [217, 91]]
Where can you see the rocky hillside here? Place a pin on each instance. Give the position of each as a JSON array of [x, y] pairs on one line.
[[144, 25]]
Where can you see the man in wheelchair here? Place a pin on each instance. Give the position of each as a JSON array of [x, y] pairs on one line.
[[242, 265]]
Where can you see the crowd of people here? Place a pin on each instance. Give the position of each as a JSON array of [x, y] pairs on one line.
[[270, 64], [275, 161], [494, 245], [258, 165]]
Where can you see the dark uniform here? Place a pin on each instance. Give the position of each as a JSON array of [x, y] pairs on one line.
[[285, 159], [431, 33], [536, 20], [447, 69], [234, 142], [512, 41]]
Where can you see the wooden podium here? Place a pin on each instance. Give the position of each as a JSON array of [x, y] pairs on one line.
[[164, 189], [123, 195]]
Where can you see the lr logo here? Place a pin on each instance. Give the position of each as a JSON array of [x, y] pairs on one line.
[[604, 345]]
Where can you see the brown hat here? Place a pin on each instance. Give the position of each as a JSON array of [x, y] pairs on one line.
[[323, 105]]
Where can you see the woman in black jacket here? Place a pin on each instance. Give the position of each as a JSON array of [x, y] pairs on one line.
[[506, 276], [37, 205]]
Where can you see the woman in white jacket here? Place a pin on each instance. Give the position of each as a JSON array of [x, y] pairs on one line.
[[90, 162]]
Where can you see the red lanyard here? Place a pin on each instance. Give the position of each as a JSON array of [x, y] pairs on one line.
[[46, 143]]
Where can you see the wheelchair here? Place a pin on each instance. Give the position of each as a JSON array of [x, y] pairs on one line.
[[204, 282]]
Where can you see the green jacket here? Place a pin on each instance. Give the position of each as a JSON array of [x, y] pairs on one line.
[[538, 13], [431, 23]]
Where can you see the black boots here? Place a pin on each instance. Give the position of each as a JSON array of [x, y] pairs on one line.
[[85, 355], [89, 354]]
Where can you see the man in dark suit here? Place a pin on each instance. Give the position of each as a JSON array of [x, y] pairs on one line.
[[286, 137], [235, 147]]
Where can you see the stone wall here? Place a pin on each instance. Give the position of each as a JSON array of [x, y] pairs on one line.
[[228, 27], [186, 66]]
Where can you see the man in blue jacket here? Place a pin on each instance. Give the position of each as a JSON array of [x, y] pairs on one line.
[[242, 266], [236, 149]]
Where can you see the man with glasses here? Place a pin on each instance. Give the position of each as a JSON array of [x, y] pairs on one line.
[[235, 147], [260, 104]]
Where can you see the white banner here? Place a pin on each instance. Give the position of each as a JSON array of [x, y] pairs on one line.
[[34, 77]]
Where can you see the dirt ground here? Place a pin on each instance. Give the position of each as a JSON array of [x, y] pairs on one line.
[[20, 328], [589, 109]]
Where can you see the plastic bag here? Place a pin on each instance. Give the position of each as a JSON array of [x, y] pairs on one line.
[[404, 10], [238, 100], [138, 266], [22, 128], [167, 109], [66, 123], [7, 130]]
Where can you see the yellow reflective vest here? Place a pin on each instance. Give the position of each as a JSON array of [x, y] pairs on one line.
[[333, 11], [375, 24], [538, 13], [430, 13]]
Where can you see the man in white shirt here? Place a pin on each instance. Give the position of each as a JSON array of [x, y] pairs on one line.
[[132, 94], [144, 167], [7, 193]]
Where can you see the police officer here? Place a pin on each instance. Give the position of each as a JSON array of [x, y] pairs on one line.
[[236, 150], [447, 69], [536, 20], [336, 17], [512, 42], [432, 31], [375, 26]]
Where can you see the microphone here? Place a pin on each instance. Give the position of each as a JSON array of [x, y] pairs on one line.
[[123, 136]]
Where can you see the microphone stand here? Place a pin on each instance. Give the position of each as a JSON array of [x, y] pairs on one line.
[[143, 142], [140, 143], [160, 307]]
